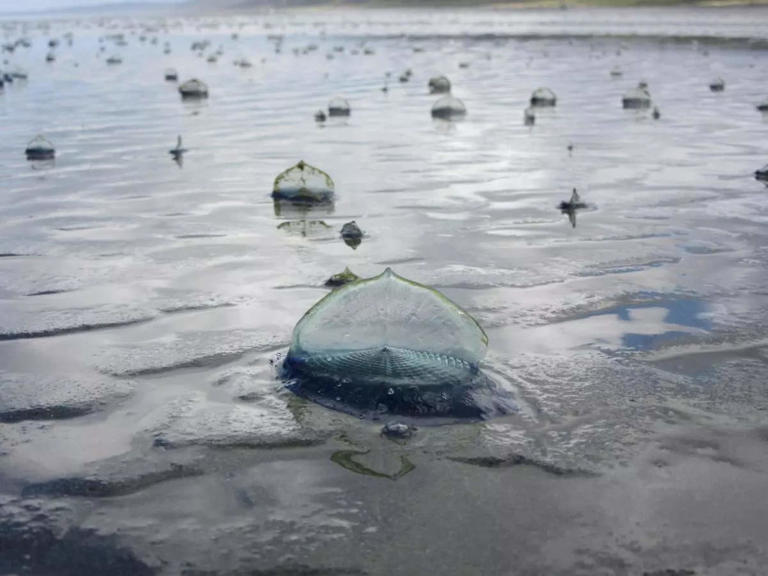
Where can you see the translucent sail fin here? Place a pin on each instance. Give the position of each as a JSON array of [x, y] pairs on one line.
[[303, 183], [387, 344], [388, 311]]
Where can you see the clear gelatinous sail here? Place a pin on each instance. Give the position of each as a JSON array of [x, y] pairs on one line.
[[448, 107], [387, 344], [303, 183], [389, 312], [543, 97]]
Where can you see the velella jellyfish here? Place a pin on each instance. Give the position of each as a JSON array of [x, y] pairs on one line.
[[171, 75], [351, 230], [40, 149], [763, 106], [543, 97], [717, 85], [636, 98], [762, 174], [338, 107], [193, 88], [439, 85], [449, 107], [303, 184], [575, 203], [389, 345], [341, 278]]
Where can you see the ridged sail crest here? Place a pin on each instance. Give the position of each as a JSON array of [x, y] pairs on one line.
[[388, 312]]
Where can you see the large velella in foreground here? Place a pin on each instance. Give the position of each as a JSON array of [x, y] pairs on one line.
[[303, 184], [449, 107], [390, 345]]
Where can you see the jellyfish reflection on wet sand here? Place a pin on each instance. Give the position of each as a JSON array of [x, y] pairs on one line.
[[389, 345]]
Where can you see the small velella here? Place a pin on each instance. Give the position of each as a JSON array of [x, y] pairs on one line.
[[763, 106], [717, 85], [762, 174], [656, 113], [320, 116], [171, 75], [179, 150], [341, 278], [390, 345], [338, 107], [304, 184], [398, 430], [636, 98], [616, 72], [40, 149], [351, 230], [351, 234], [570, 207], [50, 57], [543, 97], [114, 60], [449, 107], [439, 85], [575, 202], [529, 117], [193, 88]]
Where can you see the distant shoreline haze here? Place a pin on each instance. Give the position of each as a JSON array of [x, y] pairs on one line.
[[32, 7]]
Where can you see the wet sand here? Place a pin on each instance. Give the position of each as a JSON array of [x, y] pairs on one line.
[[145, 306]]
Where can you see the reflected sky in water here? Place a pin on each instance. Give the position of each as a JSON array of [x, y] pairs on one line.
[[145, 304]]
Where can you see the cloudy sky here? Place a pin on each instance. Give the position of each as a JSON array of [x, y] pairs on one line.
[[42, 5]]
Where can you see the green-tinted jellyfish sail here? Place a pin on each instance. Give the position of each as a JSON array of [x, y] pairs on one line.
[[386, 344], [303, 184]]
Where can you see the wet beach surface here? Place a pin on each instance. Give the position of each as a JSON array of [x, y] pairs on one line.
[[145, 306]]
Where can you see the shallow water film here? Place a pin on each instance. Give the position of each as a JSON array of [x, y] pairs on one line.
[[147, 299]]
